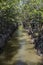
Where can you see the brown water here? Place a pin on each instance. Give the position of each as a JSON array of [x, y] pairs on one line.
[[19, 50]]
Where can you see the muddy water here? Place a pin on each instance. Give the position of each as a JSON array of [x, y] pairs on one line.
[[21, 51]]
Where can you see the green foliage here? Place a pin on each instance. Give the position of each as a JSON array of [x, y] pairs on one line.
[[20, 10], [9, 10], [33, 9]]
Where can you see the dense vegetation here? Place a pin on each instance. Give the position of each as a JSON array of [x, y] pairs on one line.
[[8, 19], [29, 12], [33, 22]]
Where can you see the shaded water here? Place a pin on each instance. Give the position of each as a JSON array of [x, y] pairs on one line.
[[19, 51]]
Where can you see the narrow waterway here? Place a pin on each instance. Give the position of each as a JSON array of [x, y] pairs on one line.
[[24, 54]]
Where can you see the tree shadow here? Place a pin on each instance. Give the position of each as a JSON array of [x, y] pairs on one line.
[[30, 48], [10, 50], [42, 59], [33, 63], [19, 62]]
